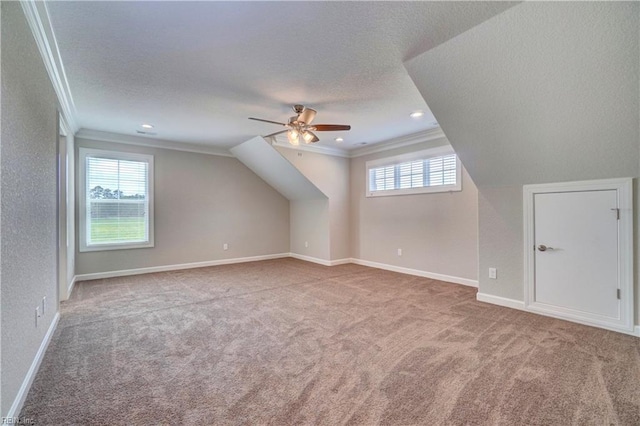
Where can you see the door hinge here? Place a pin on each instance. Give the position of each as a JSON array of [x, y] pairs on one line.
[[618, 293], [617, 213]]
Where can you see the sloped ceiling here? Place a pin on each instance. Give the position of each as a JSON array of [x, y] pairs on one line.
[[197, 70], [265, 161], [543, 92]]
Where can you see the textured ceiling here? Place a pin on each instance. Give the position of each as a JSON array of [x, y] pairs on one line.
[[562, 105], [197, 70]]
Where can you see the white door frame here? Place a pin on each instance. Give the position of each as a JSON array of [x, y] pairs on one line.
[[623, 188], [62, 208], [66, 210]]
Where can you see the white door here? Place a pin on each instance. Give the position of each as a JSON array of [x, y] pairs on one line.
[[576, 255], [579, 254]]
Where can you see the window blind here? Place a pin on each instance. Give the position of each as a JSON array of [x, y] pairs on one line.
[[117, 201]]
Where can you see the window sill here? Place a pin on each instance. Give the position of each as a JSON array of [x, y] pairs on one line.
[[106, 247], [415, 191]]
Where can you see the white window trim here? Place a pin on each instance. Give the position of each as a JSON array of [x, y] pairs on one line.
[[82, 161], [404, 158]]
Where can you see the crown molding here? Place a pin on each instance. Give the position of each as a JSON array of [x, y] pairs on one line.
[[390, 144], [319, 149], [407, 140], [97, 135], [37, 16]]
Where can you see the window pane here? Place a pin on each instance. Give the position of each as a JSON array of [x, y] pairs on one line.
[[117, 201], [421, 173], [411, 174], [382, 178], [442, 170]]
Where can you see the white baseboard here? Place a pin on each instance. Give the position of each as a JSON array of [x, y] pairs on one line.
[[319, 261], [324, 262], [417, 272], [16, 407], [482, 297], [71, 285], [500, 301], [177, 267], [518, 304], [340, 262]]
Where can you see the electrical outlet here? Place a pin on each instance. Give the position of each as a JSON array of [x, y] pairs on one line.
[[225, 246], [493, 273], [37, 315], [399, 252], [306, 244]]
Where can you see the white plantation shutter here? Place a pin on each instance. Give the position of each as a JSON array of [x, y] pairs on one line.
[[383, 177], [423, 172], [116, 203], [441, 170], [411, 174]]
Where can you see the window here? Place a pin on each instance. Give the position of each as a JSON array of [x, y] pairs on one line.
[[116, 200], [433, 170]]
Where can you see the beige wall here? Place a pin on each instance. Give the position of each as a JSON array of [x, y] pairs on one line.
[[28, 224], [201, 202], [331, 175], [310, 224], [438, 232], [544, 92]]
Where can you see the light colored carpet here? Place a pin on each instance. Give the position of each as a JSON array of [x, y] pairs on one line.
[[290, 342]]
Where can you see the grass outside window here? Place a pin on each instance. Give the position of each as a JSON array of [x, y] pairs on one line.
[[113, 230]]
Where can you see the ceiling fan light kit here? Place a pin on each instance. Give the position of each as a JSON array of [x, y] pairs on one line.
[[294, 137], [300, 129], [309, 137]]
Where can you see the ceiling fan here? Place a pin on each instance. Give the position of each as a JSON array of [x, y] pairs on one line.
[[299, 127]]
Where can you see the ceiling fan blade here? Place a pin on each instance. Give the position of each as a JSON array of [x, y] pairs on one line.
[[275, 134], [331, 127], [267, 121], [307, 115]]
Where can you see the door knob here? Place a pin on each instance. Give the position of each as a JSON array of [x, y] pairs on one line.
[[542, 247]]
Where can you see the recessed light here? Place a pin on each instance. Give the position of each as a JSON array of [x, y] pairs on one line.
[[144, 132], [147, 126], [416, 114], [339, 140]]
